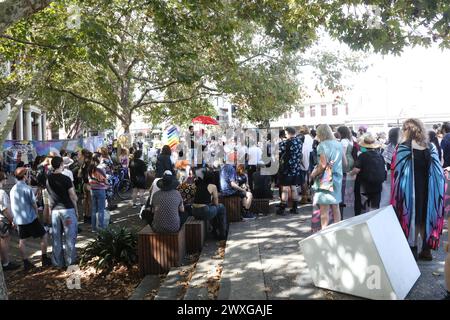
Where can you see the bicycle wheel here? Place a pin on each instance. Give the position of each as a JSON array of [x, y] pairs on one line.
[[124, 189]]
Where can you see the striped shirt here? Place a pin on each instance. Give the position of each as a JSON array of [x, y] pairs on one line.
[[97, 180]]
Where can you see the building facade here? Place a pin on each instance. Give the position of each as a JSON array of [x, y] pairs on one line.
[[31, 124]]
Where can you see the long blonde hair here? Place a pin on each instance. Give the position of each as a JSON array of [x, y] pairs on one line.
[[413, 129]]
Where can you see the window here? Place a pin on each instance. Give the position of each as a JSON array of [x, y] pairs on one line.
[[346, 109], [302, 112], [313, 111], [323, 110], [335, 110]]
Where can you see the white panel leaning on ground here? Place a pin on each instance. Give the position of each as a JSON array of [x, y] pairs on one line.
[[366, 256]]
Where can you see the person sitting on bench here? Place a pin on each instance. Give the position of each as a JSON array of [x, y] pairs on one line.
[[168, 206], [206, 204], [230, 187]]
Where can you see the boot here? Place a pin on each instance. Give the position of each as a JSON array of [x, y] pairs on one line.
[[46, 261], [280, 210], [426, 255], [294, 207]]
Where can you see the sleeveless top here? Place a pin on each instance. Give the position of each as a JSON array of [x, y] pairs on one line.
[[202, 195]]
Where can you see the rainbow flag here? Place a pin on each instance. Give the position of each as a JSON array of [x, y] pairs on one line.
[[172, 137]]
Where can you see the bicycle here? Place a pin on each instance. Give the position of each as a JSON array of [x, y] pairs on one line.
[[119, 185]]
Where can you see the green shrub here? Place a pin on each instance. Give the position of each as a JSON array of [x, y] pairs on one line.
[[113, 246]]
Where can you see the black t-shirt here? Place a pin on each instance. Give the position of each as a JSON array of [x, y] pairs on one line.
[[58, 186], [373, 172]]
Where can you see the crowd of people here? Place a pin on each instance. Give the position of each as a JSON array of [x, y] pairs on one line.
[[333, 170]]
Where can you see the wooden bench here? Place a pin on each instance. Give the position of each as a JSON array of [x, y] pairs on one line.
[[195, 235], [233, 206], [260, 206], [158, 252]]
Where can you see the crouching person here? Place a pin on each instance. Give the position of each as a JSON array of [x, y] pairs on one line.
[[206, 204], [64, 214], [24, 210]]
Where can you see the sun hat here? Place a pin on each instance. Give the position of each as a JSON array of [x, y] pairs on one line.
[[368, 141], [168, 182]]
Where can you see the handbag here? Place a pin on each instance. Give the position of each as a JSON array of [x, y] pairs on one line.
[[325, 182], [146, 212]]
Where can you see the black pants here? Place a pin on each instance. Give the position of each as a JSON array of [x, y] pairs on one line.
[[251, 170], [373, 198]]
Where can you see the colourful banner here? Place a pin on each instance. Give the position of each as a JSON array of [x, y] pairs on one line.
[[27, 151], [171, 137]]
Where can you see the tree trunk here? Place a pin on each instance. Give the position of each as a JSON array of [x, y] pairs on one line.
[[3, 292], [9, 124], [14, 10]]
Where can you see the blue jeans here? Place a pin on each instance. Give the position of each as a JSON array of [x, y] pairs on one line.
[[98, 206], [64, 221], [217, 215]]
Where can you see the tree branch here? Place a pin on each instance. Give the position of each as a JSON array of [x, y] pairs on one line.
[[170, 101], [78, 96], [47, 46], [14, 10], [115, 71]]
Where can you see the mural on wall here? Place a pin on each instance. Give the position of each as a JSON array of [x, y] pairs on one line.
[[26, 151]]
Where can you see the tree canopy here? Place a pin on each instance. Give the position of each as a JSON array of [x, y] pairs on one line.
[[167, 58]]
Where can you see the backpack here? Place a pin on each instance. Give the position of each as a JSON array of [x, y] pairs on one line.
[[374, 169]]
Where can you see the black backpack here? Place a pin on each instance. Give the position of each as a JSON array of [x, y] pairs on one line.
[[374, 168]]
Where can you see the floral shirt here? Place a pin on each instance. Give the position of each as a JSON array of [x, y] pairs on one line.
[[291, 157], [187, 192]]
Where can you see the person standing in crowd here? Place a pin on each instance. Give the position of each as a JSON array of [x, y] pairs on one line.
[[98, 183], [418, 189], [313, 156], [64, 215], [67, 162], [447, 259], [262, 184], [370, 169], [138, 170], [254, 157], [6, 225], [63, 153], [330, 154], [105, 161], [432, 137], [389, 150], [229, 186], [85, 163], [164, 162], [445, 144], [362, 130], [192, 156], [24, 210], [168, 206], [347, 160], [124, 159], [206, 204], [304, 165], [290, 175]]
